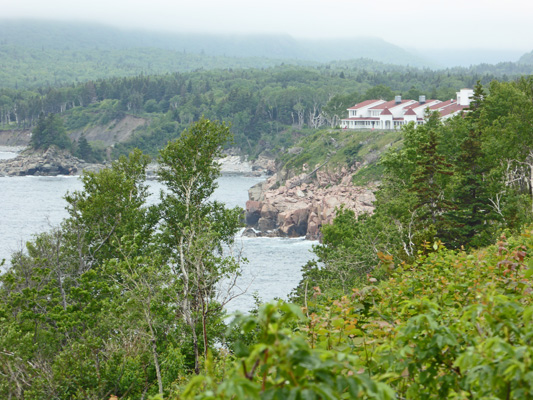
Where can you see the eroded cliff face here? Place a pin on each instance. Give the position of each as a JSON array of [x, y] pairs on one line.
[[15, 138], [116, 131], [304, 203]]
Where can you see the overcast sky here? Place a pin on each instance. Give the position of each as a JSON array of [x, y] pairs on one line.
[[419, 24]]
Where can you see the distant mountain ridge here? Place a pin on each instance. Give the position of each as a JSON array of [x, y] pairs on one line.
[[526, 59], [450, 58], [37, 53], [69, 36]]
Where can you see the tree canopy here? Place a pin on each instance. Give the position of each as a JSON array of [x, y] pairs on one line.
[[50, 131], [122, 298]]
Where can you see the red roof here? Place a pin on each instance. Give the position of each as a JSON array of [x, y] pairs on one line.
[[386, 112], [363, 104], [452, 108], [389, 104], [425, 104], [410, 111], [441, 105]]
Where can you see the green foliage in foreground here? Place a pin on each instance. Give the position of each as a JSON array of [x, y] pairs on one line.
[[449, 325], [284, 365], [120, 299]]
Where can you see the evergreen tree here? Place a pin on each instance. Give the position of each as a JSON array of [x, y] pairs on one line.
[[427, 179], [471, 195], [84, 150], [38, 136], [50, 131]]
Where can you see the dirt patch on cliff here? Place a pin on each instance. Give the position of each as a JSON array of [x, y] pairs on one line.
[[116, 131]]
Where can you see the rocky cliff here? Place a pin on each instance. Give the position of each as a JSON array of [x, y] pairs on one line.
[[304, 203], [48, 163]]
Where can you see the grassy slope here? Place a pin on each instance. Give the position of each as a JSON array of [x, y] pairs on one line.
[[342, 147]]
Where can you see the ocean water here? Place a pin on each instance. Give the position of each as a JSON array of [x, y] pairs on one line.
[[29, 205], [5, 154]]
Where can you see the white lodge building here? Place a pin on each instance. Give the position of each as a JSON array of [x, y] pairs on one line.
[[381, 114]]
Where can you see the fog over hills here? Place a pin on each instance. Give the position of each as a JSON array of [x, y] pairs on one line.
[[448, 58], [42, 52], [71, 36], [526, 58]]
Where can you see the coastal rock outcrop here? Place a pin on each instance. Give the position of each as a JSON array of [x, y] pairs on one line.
[[236, 164], [302, 204], [45, 163]]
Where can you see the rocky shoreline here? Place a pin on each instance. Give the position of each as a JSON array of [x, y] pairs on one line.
[[56, 162], [304, 203], [292, 207], [233, 164], [51, 162]]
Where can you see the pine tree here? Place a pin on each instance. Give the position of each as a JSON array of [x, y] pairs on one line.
[[50, 131], [84, 150], [471, 198], [38, 133], [427, 183]]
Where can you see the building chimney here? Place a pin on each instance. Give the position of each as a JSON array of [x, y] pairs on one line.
[[398, 99], [422, 99], [464, 97]]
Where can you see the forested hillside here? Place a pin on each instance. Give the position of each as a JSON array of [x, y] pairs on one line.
[[60, 35], [38, 53], [42, 54], [526, 59], [32, 68], [262, 105]]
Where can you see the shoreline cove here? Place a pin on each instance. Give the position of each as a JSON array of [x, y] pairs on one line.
[[34, 204]]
